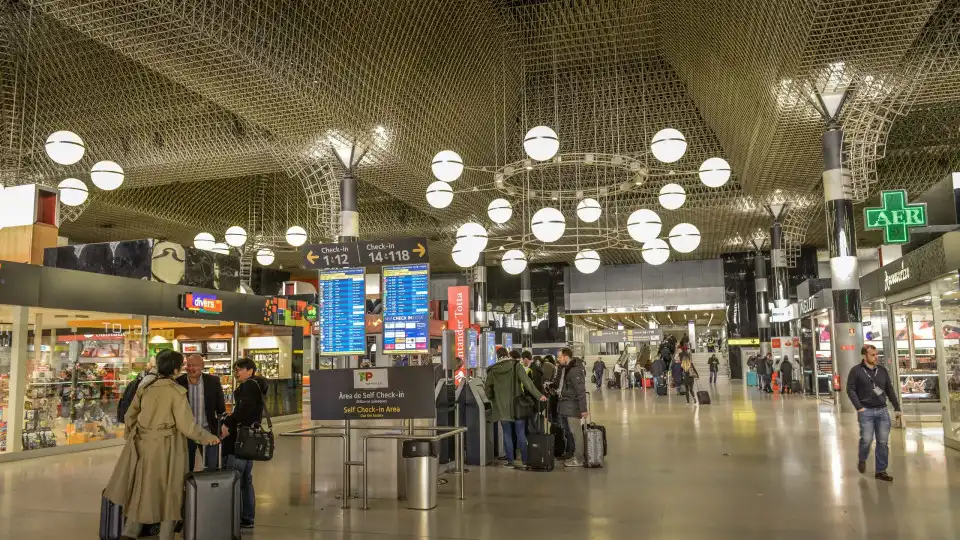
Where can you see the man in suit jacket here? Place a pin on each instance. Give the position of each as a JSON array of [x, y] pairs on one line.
[[207, 403]]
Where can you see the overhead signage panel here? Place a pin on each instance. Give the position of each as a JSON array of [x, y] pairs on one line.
[[619, 336], [342, 312], [406, 309], [365, 253]]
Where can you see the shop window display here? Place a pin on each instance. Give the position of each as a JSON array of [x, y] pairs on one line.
[[914, 335]]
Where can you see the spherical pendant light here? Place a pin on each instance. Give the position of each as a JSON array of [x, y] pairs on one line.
[[548, 224], [106, 175], [73, 192], [513, 262], [541, 143], [65, 147], [473, 236], [588, 210], [296, 236], [587, 261], [644, 225], [500, 211], [204, 241], [221, 248], [236, 236], [715, 172], [447, 166], [265, 257], [684, 237], [672, 196], [465, 257], [668, 145], [439, 194], [655, 252]]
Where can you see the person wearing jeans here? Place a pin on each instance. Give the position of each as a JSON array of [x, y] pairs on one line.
[[514, 437], [868, 386], [248, 411], [506, 380], [572, 406]]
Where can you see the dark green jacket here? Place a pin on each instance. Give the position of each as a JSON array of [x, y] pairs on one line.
[[503, 384]]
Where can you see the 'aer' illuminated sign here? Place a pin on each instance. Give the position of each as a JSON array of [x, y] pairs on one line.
[[895, 217]]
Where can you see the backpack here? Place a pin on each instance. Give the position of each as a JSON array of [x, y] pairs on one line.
[[128, 394]]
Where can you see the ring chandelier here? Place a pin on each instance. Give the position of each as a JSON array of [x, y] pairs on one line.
[[548, 225]]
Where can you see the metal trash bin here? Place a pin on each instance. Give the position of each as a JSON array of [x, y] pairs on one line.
[[421, 460]]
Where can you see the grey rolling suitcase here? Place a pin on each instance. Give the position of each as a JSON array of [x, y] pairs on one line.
[[211, 505], [593, 442]]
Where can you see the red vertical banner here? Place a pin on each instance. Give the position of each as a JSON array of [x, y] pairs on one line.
[[458, 306]]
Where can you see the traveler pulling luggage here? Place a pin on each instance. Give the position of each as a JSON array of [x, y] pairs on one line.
[[594, 442], [541, 446], [211, 503]]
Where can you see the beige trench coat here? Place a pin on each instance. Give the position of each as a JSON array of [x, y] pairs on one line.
[[148, 479]]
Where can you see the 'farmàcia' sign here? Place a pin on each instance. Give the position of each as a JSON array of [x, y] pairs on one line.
[[895, 217]]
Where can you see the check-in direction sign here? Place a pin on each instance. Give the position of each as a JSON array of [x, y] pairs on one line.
[[365, 253]]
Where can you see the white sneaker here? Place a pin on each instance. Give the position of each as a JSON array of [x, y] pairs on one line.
[[573, 462]]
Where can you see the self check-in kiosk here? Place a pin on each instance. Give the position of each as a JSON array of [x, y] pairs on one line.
[[445, 395]]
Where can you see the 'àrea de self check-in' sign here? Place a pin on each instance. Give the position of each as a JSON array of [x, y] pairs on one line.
[[365, 253], [390, 393], [895, 217]]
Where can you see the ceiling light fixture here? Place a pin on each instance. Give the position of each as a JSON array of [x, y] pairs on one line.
[[265, 257], [589, 210], [65, 147], [204, 241], [439, 194], [296, 236], [513, 262], [672, 196], [447, 166], [668, 145], [106, 175], [72, 192], [587, 261], [236, 236], [499, 211], [548, 224], [541, 143]]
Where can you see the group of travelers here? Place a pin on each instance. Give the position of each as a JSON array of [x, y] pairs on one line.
[[764, 367], [559, 385], [170, 418]]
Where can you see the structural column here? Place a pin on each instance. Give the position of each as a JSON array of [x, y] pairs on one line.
[[844, 268], [18, 378], [780, 284], [763, 313], [480, 292], [349, 216], [526, 310]]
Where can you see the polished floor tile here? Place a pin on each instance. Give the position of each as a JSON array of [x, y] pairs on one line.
[[748, 466]]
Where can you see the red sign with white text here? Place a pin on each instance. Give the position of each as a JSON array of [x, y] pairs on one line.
[[458, 305]]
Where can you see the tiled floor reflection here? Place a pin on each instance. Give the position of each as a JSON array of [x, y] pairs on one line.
[[747, 466]]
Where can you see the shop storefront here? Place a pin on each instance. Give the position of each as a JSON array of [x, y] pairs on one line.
[[918, 295], [71, 341], [815, 311]]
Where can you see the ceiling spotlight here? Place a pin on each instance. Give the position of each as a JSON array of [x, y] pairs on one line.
[[588, 210], [644, 225], [463, 256], [499, 211], [684, 237], [668, 145], [672, 196], [439, 194], [715, 172], [548, 224], [541, 143], [655, 252], [106, 175], [65, 147], [587, 261], [265, 257], [236, 236], [73, 192], [296, 236], [204, 241], [473, 236], [447, 166], [513, 262]]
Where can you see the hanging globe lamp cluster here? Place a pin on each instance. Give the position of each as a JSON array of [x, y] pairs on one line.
[[67, 148]]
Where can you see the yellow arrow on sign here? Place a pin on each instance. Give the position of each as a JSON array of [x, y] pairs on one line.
[[420, 250], [311, 257]]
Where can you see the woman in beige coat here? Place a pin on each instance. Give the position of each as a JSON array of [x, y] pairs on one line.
[[148, 480]]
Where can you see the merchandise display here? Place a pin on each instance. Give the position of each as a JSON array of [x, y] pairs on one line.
[[267, 360]]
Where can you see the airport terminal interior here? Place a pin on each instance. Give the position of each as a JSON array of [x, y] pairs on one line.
[[469, 269]]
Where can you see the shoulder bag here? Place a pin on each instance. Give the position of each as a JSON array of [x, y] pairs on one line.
[[253, 442], [524, 406]]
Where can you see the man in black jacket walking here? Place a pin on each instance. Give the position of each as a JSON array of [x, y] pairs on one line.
[[205, 395], [869, 385]]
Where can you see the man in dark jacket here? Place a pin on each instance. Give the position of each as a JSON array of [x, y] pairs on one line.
[[714, 364], [598, 369], [247, 411], [868, 386], [506, 380], [786, 375], [205, 395], [659, 368], [572, 407]]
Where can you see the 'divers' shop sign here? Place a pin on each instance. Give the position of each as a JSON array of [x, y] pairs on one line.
[[360, 394]]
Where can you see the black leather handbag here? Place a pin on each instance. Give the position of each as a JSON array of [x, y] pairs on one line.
[[255, 443]]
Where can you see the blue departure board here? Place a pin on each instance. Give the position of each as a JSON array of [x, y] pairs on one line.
[[342, 311], [406, 309]]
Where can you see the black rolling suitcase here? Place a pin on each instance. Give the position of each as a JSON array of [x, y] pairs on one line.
[[661, 386], [541, 447], [211, 504], [796, 387], [703, 397], [112, 521]]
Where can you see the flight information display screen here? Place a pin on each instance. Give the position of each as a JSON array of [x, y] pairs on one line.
[[406, 309], [342, 311]]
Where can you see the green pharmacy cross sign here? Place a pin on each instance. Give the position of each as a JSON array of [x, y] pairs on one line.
[[895, 217]]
